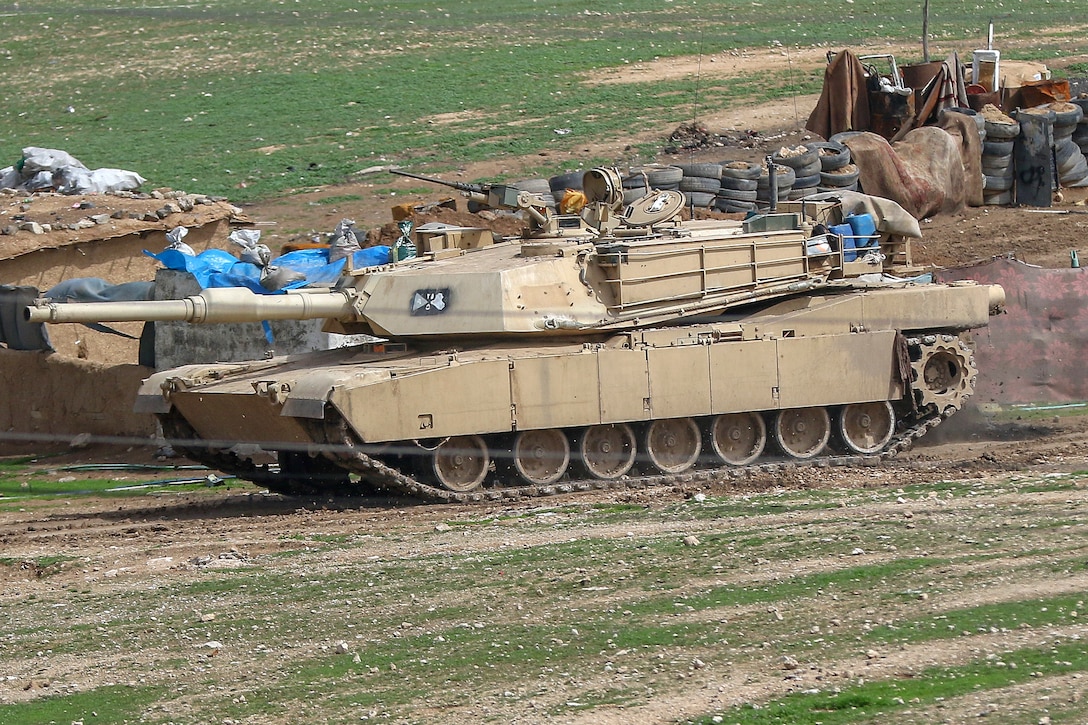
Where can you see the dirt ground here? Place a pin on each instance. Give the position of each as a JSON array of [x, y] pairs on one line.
[[135, 545]]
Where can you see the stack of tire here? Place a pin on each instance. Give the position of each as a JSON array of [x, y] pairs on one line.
[[701, 183], [640, 180], [1080, 134], [740, 187], [784, 176], [980, 121], [836, 171], [806, 165], [997, 166], [559, 184], [1072, 166]]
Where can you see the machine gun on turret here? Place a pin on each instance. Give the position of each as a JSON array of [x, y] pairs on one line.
[[498, 196], [603, 212]]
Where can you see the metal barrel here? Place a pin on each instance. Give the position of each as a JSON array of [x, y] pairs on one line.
[[220, 304]]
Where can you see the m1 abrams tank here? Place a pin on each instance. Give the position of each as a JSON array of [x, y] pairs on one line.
[[621, 346]]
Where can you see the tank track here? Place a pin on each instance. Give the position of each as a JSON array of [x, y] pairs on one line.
[[375, 475]]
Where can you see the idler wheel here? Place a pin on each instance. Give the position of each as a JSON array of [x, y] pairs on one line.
[[460, 463], [738, 438], [865, 427], [541, 456], [606, 451], [802, 432], [673, 445]]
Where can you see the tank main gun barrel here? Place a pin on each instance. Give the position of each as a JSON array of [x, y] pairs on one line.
[[219, 304]]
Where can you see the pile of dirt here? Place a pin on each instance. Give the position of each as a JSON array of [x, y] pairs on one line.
[[47, 220]]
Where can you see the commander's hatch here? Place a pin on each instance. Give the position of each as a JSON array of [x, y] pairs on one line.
[[653, 208]]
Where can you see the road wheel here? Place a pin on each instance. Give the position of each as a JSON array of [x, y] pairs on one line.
[[459, 463], [540, 456], [673, 445], [864, 427], [738, 438], [605, 451], [802, 432]]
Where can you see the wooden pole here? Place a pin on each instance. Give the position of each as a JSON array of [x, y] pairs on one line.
[[925, 32]]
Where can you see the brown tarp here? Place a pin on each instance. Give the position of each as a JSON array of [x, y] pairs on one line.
[[964, 130], [924, 172], [1035, 351], [844, 101], [926, 169]]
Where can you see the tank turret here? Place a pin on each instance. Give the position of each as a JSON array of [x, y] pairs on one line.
[[608, 269], [620, 344]]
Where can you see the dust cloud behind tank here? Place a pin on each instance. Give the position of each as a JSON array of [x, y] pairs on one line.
[[620, 343]]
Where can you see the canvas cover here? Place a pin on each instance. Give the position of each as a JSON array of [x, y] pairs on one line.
[[844, 101], [923, 173]]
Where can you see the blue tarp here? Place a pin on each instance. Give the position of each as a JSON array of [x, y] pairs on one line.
[[216, 268]]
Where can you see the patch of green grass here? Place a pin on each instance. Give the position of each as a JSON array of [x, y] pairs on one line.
[[718, 507], [18, 484], [1041, 411], [321, 538], [39, 566], [848, 579], [14, 465], [1001, 617], [108, 704], [886, 700]]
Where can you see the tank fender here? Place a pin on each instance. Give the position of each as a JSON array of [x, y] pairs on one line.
[[308, 395], [154, 393], [151, 401]]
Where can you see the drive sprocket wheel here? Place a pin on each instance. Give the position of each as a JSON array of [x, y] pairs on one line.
[[943, 372]]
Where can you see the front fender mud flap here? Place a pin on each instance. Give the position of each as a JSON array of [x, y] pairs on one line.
[[308, 396]]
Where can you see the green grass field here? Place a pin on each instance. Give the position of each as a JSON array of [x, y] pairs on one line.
[[253, 99]]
